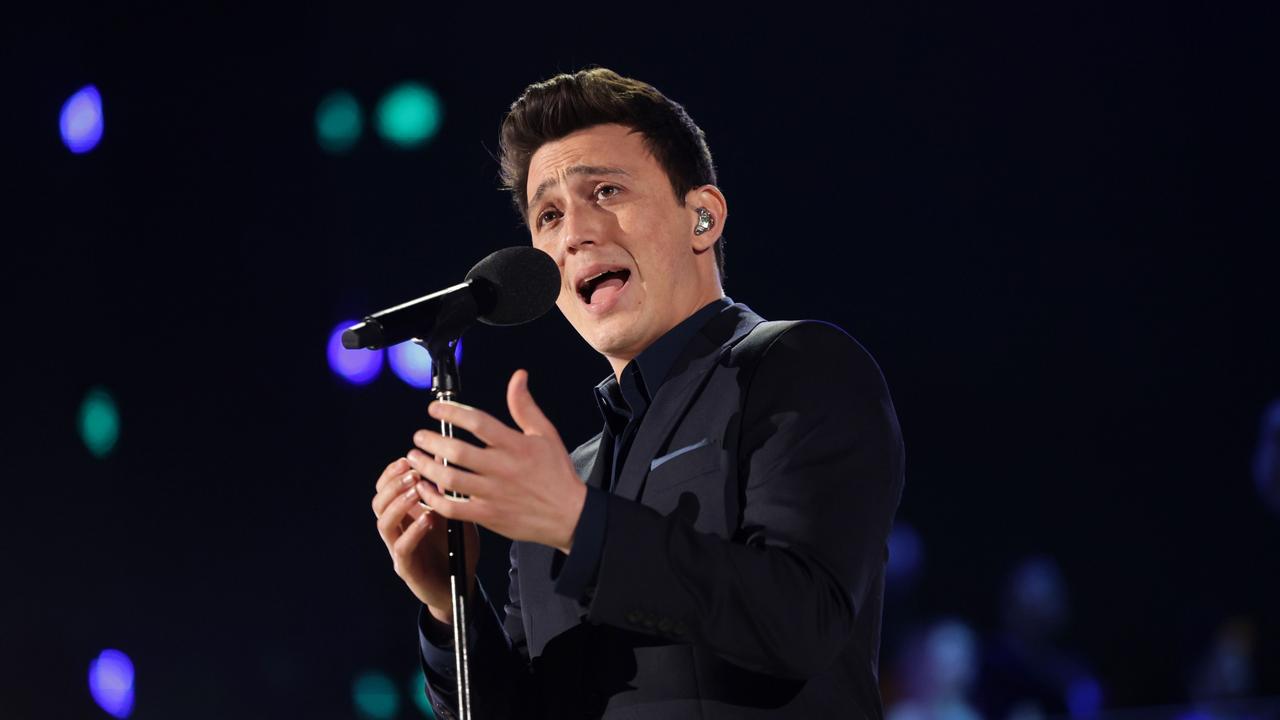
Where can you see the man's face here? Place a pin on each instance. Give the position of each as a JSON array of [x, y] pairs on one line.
[[604, 209]]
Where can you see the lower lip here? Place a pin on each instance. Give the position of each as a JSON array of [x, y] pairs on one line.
[[608, 301]]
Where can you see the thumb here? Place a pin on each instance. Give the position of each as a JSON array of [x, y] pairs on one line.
[[524, 410]]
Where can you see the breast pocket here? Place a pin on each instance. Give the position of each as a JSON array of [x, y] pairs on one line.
[[682, 465], [688, 487]]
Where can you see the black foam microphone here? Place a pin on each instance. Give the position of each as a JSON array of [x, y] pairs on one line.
[[509, 287]]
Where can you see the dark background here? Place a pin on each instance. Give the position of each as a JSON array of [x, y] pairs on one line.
[[1054, 228]]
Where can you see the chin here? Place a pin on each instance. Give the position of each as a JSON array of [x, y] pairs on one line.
[[614, 337], [608, 341]]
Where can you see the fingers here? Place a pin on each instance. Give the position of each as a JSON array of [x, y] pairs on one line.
[[397, 468], [404, 507], [404, 546], [484, 426], [449, 477], [471, 510], [457, 452], [524, 410], [392, 486]]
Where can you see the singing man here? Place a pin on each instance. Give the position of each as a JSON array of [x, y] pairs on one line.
[[718, 549]]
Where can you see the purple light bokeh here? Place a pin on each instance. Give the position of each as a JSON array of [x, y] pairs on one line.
[[358, 367], [412, 363], [81, 120], [111, 682]]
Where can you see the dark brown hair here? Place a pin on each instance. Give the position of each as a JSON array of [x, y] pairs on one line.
[[554, 108]]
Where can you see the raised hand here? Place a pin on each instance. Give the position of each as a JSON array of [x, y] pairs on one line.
[[521, 484]]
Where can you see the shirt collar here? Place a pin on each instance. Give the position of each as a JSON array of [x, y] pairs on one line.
[[622, 399]]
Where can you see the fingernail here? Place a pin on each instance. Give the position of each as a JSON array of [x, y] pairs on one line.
[[407, 480], [411, 492]]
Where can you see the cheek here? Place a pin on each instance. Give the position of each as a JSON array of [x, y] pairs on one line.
[[565, 301]]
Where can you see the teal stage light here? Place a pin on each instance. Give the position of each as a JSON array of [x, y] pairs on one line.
[[339, 122], [375, 696], [99, 422], [418, 691], [409, 115]]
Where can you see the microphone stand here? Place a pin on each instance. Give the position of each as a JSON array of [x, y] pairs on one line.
[[445, 384]]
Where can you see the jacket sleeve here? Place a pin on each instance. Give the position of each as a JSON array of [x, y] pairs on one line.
[[821, 477], [501, 685]]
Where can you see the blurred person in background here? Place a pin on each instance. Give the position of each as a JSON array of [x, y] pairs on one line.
[[1266, 459], [1024, 671]]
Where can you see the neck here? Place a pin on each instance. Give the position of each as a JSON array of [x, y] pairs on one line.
[[618, 362]]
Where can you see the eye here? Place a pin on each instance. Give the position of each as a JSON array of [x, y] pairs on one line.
[[605, 192], [547, 216]]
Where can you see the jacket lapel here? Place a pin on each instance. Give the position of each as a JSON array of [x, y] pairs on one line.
[[675, 395]]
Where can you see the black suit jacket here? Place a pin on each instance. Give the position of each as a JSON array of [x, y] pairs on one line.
[[742, 574]]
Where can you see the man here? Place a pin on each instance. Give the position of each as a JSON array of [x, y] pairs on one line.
[[718, 550]]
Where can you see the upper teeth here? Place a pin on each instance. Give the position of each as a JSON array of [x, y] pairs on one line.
[[593, 277]]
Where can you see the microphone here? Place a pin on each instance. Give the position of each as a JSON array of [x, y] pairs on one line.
[[509, 287]]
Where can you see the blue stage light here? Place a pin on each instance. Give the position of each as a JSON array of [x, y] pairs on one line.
[[358, 367], [111, 682], [412, 363], [81, 120], [906, 554], [1084, 697]]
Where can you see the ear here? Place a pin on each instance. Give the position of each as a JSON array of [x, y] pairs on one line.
[[709, 197]]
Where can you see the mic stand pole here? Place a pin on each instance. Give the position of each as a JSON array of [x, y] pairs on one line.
[[445, 384]]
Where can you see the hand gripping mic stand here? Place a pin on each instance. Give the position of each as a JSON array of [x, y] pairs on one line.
[[445, 385]]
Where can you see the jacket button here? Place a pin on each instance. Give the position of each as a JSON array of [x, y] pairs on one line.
[[633, 617], [679, 629], [665, 625]]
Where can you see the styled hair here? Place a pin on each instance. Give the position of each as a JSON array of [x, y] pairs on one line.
[[564, 104]]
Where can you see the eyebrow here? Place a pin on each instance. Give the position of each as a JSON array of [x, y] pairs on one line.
[[570, 172]]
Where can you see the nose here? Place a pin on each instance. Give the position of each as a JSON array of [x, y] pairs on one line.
[[581, 226]]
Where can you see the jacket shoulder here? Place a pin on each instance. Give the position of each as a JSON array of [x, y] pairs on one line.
[[807, 343]]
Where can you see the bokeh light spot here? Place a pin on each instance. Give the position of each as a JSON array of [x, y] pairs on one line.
[[1084, 698], [418, 691], [906, 554], [412, 363], [357, 367], [409, 115], [339, 122], [375, 696], [111, 682], [80, 121], [99, 422]]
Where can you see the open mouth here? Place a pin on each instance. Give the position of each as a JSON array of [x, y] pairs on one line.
[[602, 286]]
